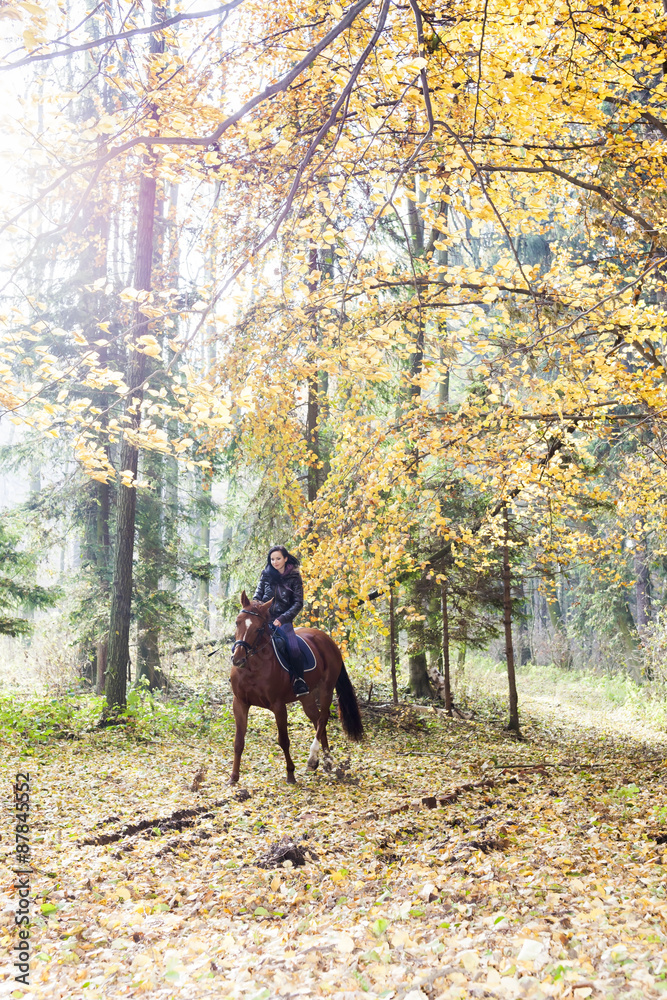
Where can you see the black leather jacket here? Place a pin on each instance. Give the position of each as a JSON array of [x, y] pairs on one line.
[[287, 592]]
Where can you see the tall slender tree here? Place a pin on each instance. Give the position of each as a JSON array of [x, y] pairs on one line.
[[121, 597]]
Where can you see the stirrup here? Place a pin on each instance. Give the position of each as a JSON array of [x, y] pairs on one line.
[[300, 687]]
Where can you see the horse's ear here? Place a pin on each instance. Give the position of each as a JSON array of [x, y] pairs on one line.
[[244, 600], [267, 604]]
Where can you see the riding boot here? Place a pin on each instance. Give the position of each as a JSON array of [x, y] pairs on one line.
[[298, 683]]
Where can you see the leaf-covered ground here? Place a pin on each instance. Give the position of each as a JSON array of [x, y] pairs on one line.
[[534, 881]]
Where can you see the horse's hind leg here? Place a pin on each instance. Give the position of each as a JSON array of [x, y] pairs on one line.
[[322, 735], [241, 717], [322, 730], [319, 718], [314, 714], [283, 738]]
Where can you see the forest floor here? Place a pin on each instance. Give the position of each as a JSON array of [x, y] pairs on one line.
[[438, 859]]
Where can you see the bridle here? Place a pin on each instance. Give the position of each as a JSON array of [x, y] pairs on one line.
[[241, 642]]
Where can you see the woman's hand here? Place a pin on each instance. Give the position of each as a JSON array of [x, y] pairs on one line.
[[277, 622]]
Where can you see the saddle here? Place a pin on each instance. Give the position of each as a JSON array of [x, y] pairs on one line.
[[281, 650]]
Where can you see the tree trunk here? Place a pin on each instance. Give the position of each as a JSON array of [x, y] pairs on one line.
[[392, 646], [626, 630], [561, 643], [149, 657], [553, 604], [103, 566], [420, 684], [312, 436], [151, 559], [204, 582], [524, 637], [121, 598], [643, 596], [443, 386], [203, 486], [642, 585], [101, 667], [119, 624], [513, 724], [445, 647], [170, 531], [320, 267], [118, 654], [461, 657]]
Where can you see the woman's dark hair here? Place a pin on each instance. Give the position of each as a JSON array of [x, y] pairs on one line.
[[283, 551]]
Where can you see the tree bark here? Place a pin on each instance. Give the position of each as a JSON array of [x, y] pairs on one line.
[[643, 596], [118, 653], [202, 487], [524, 638], [317, 388], [553, 604], [557, 619], [445, 647], [149, 657], [392, 646], [626, 629], [513, 724], [151, 559], [121, 598], [443, 387], [420, 684], [312, 436], [642, 585], [101, 666]]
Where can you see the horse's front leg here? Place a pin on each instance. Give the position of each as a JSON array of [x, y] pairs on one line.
[[280, 713], [241, 710]]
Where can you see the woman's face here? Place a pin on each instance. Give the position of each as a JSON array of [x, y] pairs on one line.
[[278, 560]]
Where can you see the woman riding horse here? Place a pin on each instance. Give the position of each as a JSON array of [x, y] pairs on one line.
[[282, 581], [258, 680]]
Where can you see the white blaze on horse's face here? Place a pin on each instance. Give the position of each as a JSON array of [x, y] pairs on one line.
[[244, 624]]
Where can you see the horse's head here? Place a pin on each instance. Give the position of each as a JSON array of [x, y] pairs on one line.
[[251, 624]]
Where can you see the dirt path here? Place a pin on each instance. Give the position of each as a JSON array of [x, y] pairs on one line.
[[610, 708]]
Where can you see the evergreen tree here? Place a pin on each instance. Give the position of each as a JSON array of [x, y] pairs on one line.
[[18, 591]]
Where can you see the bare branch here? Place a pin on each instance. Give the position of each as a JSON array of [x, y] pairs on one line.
[[121, 36], [577, 182]]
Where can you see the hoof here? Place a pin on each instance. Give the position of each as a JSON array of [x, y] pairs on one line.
[[290, 779], [313, 765], [234, 780]]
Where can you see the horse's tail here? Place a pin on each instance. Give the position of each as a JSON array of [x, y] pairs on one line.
[[348, 707]]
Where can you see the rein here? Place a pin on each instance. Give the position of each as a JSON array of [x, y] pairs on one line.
[[241, 642]]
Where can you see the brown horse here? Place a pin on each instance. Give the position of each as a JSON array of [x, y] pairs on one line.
[[258, 679]]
